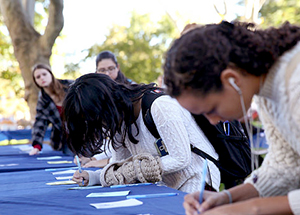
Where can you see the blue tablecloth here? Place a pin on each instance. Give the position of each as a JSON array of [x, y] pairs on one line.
[[17, 149], [27, 193], [21, 134], [12, 158]]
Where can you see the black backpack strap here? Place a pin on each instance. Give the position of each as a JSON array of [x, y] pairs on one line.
[[147, 101], [204, 155], [216, 162]]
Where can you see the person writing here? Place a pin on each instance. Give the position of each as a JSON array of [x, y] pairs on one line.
[[216, 70], [106, 63], [98, 108], [48, 109]]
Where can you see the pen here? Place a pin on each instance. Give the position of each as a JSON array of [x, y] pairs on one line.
[[204, 171], [129, 185], [151, 195], [79, 167]]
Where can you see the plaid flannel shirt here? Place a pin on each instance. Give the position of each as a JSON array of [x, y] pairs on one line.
[[46, 113]]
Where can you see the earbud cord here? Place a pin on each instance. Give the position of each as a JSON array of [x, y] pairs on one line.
[[249, 128]]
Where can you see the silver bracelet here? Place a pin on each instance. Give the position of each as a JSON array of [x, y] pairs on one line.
[[229, 195]]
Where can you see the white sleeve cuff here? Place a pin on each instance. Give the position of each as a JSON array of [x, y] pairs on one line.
[[94, 177], [294, 201]]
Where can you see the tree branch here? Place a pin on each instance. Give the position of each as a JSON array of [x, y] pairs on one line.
[[54, 26], [17, 22]]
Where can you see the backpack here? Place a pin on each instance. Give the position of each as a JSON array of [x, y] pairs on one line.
[[228, 139]]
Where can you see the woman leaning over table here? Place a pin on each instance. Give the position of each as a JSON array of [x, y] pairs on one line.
[[216, 70], [97, 108], [49, 109]]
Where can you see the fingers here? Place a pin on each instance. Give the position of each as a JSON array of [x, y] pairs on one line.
[[191, 203], [212, 199], [82, 179], [34, 151], [89, 164], [84, 160], [96, 163]]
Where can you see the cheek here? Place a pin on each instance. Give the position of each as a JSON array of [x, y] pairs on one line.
[[113, 76], [231, 110]]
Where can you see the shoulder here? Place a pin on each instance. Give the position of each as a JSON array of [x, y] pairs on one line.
[[166, 103], [166, 99], [66, 82]]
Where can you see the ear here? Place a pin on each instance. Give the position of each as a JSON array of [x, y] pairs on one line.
[[228, 74]]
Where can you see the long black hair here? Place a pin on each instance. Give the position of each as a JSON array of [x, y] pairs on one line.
[[197, 59], [97, 107], [121, 78]]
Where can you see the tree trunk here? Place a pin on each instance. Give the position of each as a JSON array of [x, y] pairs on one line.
[[30, 47]]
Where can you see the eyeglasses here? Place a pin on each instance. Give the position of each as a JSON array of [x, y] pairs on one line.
[[108, 70]]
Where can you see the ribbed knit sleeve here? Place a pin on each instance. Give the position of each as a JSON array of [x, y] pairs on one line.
[[279, 102], [94, 177], [294, 201], [178, 130]]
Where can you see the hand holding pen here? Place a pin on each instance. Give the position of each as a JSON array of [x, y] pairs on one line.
[[80, 177]]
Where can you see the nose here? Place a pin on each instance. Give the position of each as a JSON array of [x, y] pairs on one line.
[[213, 119]]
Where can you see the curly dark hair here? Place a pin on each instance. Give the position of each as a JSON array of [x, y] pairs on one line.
[[97, 107], [197, 59]]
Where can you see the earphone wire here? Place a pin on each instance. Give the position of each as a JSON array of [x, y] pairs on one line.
[[249, 129]]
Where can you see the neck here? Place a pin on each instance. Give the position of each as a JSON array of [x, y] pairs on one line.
[[259, 83], [137, 108], [47, 90]]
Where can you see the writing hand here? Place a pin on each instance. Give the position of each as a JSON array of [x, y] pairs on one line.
[[79, 177]]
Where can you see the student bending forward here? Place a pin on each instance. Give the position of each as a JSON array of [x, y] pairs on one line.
[[97, 108]]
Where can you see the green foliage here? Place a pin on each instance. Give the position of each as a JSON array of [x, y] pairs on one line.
[[72, 71], [276, 12], [10, 74], [11, 81], [15, 81], [140, 47], [41, 11]]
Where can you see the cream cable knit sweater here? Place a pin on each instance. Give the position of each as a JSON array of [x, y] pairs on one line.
[[182, 169], [280, 113]]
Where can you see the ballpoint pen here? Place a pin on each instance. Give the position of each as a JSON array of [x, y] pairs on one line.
[[204, 171], [79, 167]]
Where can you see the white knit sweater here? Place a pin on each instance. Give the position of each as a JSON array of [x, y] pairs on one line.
[[279, 101], [182, 169]]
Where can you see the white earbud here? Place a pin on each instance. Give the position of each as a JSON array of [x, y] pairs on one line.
[[233, 84]]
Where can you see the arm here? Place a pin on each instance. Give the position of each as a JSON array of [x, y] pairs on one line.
[[279, 172], [38, 130], [167, 115], [278, 205], [214, 199], [89, 177], [245, 201], [97, 163]]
